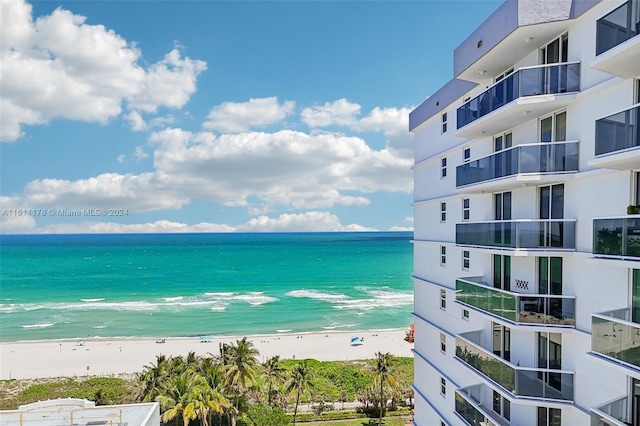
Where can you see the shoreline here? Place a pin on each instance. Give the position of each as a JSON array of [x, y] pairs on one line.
[[110, 356]]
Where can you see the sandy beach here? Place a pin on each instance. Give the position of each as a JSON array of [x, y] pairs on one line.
[[100, 357]]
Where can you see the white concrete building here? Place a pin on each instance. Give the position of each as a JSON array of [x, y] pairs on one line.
[[526, 263], [81, 412]]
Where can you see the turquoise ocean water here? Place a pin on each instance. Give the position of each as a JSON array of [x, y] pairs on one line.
[[166, 285]]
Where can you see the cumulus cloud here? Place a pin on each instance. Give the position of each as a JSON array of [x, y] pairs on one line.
[[340, 112], [393, 122], [137, 193], [303, 222], [236, 117], [57, 66]]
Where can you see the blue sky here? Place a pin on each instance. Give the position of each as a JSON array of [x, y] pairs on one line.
[[203, 116]]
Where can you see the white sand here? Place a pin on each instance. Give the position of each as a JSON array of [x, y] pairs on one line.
[[98, 357]]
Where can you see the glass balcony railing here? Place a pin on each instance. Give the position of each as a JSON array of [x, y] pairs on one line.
[[538, 383], [617, 26], [618, 236], [618, 132], [532, 234], [530, 81], [469, 407], [538, 158], [614, 413], [616, 335], [518, 308]]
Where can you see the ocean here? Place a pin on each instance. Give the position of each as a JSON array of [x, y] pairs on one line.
[[179, 285]]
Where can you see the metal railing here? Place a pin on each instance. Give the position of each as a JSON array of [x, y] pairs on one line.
[[535, 234], [618, 26], [613, 413], [534, 158], [618, 132], [523, 309], [538, 383], [616, 335], [617, 236], [526, 81]]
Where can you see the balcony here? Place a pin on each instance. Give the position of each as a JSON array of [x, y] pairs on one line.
[[517, 308], [523, 234], [618, 140], [520, 382], [617, 44], [469, 408], [614, 335], [614, 413], [617, 237], [507, 169], [536, 90]]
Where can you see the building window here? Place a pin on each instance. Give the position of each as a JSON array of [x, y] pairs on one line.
[[443, 386], [443, 212], [466, 210], [443, 343], [443, 299], [549, 416], [465, 314], [444, 122], [501, 405], [466, 155], [465, 260], [443, 255], [443, 167]]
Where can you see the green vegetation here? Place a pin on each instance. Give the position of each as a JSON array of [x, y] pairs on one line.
[[233, 388]]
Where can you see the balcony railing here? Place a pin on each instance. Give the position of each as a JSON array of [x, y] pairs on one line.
[[617, 26], [618, 236], [612, 413], [469, 406], [538, 383], [618, 132], [534, 234], [615, 334], [523, 309], [530, 81], [538, 158]]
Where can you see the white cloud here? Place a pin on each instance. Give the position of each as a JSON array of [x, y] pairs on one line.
[[394, 123], [60, 67], [135, 121], [169, 82], [232, 117], [408, 219], [121, 158], [139, 153], [137, 193], [340, 112], [304, 222], [400, 229]]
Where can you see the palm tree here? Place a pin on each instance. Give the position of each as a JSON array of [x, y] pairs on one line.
[[152, 377], [383, 369], [273, 374], [204, 402], [300, 382], [240, 372], [176, 397]]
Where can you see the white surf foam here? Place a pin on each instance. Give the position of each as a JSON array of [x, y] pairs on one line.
[[42, 325]]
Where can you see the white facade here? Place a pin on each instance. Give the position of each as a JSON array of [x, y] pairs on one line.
[[81, 412], [526, 263]]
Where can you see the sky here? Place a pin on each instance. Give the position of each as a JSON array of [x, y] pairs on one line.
[[217, 116]]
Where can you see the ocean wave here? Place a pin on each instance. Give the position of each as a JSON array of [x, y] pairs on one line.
[[220, 294], [172, 299], [255, 298], [284, 331], [98, 299], [218, 308], [98, 326], [333, 327], [318, 295], [42, 325]]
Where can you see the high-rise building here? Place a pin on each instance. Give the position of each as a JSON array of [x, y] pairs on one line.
[[527, 234]]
